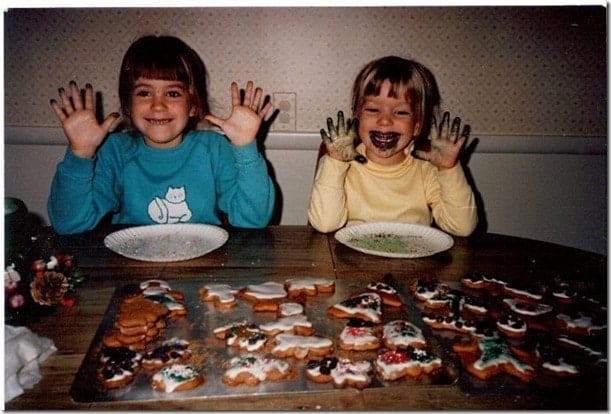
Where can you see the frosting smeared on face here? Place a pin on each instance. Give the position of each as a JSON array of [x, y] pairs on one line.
[[384, 141]]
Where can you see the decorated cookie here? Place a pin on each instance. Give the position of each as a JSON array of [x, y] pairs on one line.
[[450, 322], [581, 323], [358, 335], [301, 347], [172, 351], [252, 369], [512, 326], [366, 306], [309, 286], [242, 334], [487, 357], [535, 314], [427, 291], [342, 372], [263, 292], [527, 291], [297, 324], [220, 294], [412, 363], [388, 294], [177, 377], [118, 366], [400, 334]]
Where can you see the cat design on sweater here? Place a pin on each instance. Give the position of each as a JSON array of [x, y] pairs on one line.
[[171, 209]]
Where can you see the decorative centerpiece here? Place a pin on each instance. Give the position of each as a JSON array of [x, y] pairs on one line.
[[35, 285]]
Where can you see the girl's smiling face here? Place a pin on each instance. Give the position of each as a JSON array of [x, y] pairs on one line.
[[387, 126], [160, 110]]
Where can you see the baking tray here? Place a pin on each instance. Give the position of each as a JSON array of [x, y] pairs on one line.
[[209, 353]]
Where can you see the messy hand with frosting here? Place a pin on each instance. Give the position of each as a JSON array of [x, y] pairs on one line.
[[340, 140], [446, 143]]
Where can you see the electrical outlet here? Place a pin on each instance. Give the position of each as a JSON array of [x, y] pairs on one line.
[[286, 105]]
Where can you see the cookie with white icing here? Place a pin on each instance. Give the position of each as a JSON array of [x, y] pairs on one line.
[[512, 325], [118, 366], [359, 335], [172, 351], [412, 363], [389, 294], [581, 323], [177, 377], [252, 369], [297, 324], [298, 346], [221, 295], [401, 334], [487, 357], [265, 291], [342, 372], [309, 286], [366, 306], [242, 334]]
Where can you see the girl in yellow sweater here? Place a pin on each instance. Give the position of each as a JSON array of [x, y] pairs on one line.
[[384, 178]]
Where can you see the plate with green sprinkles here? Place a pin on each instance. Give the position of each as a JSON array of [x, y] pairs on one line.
[[394, 239]]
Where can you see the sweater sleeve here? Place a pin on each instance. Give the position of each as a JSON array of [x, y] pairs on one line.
[[327, 211], [76, 202], [452, 201], [248, 198]]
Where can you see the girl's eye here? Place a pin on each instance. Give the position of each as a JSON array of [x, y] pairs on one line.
[[142, 93], [175, 94], [370, 110]]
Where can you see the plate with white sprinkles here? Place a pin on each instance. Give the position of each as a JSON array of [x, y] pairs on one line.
[[166, 242], [394, 239]]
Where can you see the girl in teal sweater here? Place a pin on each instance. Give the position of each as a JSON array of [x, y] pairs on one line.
[[161, 169]]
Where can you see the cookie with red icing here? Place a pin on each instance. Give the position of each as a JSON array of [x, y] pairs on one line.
[[342, 372], [411, 362], [253, 369], [177, 377], [366, 306], [359, 335], [401, 334], [489, 356]]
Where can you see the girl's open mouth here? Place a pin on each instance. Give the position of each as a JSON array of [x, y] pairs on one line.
[[384, 140]]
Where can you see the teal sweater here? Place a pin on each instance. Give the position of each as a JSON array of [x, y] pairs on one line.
[[141, 185]]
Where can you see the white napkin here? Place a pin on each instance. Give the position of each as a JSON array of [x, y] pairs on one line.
[[23, 350]]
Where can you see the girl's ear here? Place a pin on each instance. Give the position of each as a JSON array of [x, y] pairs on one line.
[[417, 129], [193, 111]]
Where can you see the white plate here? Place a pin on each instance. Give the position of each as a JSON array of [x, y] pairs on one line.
[[166, 242], [394, 239]]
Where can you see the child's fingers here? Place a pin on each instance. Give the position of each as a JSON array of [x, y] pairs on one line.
[[455, 131], [235, 94], [214, 120], [248, 95], [58, 110], [75, 93], [88, 96], [341, 125], [266, 108], [331, 128]]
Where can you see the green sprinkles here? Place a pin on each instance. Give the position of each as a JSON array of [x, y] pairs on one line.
[[390, 243]]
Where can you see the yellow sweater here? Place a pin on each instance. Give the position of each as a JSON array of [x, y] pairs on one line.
[[411, 192]]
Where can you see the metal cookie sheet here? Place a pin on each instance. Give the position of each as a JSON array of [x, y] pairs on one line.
[[209, 353]]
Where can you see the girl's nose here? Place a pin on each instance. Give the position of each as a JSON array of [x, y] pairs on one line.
[[384, 119], [158, 102]]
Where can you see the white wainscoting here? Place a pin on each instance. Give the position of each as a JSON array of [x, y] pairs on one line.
[[546, 188]]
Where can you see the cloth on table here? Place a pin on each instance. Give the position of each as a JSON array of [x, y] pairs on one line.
[[23, 351]]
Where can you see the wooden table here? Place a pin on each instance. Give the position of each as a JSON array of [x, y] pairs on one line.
[[281, 252]]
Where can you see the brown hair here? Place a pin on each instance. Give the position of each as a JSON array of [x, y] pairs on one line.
[[408, 78], [167, 58]]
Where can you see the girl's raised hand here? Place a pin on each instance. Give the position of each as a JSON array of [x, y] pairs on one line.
[[446, 143], [245, 119], [84, 132]]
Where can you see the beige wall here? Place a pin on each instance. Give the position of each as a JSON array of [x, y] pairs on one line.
[[505, 70]]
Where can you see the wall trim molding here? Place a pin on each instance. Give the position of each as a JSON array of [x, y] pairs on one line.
[[310, 141]]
